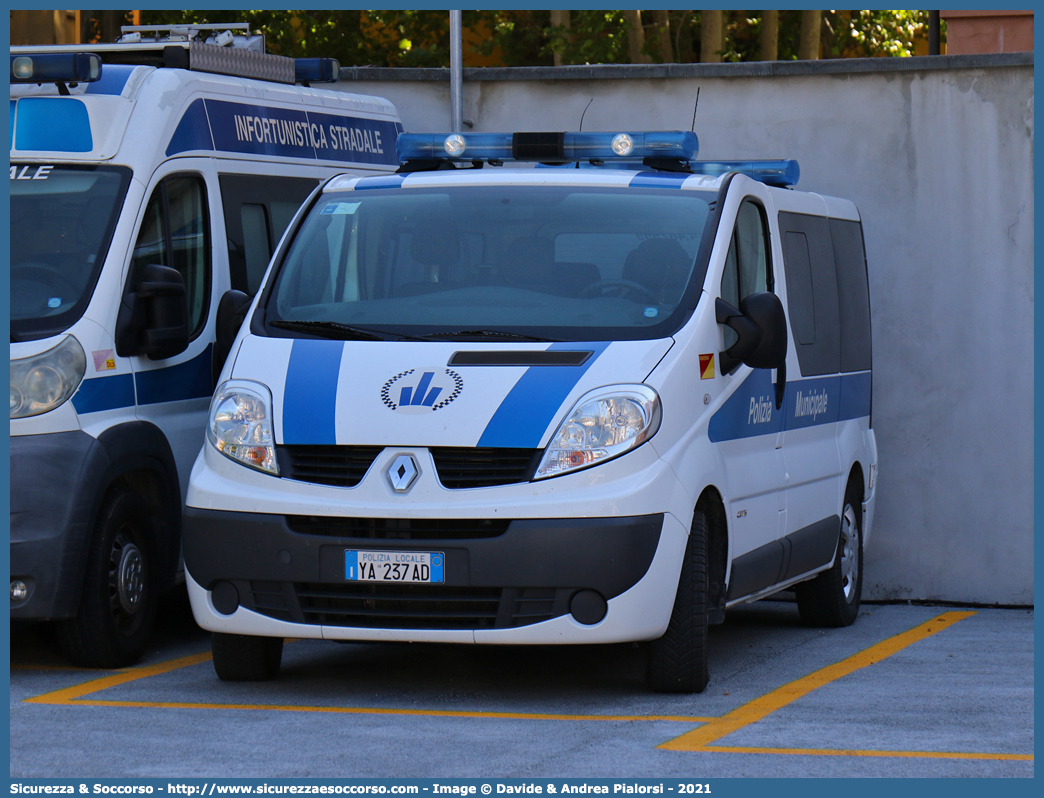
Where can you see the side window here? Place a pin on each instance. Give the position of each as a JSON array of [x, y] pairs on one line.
[[853, 294], [747, 268], [257, 211], [812, 292], [175, 232]]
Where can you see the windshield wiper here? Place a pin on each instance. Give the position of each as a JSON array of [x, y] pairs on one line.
[[346, 332], [497, 334], [329, 329]]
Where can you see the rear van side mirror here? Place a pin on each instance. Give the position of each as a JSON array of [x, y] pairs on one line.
[[153, 317], [761, 327]]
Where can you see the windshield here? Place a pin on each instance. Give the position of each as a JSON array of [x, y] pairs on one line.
[[62, 218], [546, 263]]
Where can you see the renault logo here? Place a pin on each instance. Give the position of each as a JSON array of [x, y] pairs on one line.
[[402, 472]]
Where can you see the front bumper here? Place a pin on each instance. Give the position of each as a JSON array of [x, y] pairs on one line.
[[52, 497], [535, 581]]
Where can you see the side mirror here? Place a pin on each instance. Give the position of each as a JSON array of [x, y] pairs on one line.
[[231, 311], [153, 317], [761, 327]]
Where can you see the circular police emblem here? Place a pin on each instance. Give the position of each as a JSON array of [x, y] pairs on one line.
[[421, 390]]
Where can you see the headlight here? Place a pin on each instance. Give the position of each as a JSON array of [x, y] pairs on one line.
[[603, 424], [42, 382], [240, 425]]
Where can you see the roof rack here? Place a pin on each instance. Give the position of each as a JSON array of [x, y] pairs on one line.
[[228, 49]]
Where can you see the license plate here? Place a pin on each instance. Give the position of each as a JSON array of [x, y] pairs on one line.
[[394, 566]]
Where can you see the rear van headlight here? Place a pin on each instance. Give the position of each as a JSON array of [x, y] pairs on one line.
[[602, 425], [43, 382], [240, 424]]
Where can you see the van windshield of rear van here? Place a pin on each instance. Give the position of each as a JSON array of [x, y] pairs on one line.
[[62, 218]]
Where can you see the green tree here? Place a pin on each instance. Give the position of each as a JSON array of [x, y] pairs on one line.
[[528, 38]]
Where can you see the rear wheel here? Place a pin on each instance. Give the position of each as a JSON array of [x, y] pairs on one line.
[[245, 658], [832, 598], [117, 609], [678, 660]]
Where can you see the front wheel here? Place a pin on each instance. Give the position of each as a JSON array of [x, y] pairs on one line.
[[119, 602], [831, 599], [678, 660], [245, 658]]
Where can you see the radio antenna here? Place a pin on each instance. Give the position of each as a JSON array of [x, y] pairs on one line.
[[694, 109], [585, 112]]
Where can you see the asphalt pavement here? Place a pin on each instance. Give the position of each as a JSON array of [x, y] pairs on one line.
[[906, 691]]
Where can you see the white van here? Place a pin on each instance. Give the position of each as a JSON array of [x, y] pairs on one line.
[[588, 404], [148, 178]]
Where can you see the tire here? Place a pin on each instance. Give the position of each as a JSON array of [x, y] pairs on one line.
[[678, 660], [118, 605], [245, 658], [831, 599]]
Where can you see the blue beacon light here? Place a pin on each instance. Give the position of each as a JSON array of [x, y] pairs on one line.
[[317, 70], [56, 68], [675, 145]]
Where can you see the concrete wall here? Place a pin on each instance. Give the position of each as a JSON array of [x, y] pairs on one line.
[[938, 155]]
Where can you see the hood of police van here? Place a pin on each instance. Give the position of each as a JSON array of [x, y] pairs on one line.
[[404, 393]]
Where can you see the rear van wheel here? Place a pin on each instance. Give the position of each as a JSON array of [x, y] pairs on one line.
[[246, 658], [119, 602], [831, 599], [678, 660]]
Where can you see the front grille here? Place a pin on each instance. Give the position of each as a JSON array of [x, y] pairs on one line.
[[398, 606], [381, 606], [340, 466], [458, 467], [398, 528], [473, 467]]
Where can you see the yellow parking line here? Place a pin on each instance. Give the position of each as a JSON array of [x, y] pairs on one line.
[[431, 713], [74, 696], [841, 752], [759, 708], [86, 688], [697, 740]]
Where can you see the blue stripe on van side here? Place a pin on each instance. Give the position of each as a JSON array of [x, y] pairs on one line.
[[310, 393], [193, 131], [113, 79], [855, 395], [189, 380], [537, 397], [104, 393], [751, 410]]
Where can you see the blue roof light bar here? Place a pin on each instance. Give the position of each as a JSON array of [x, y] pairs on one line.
[[317, 70], [547, 147], [774, 173], [56, 68]]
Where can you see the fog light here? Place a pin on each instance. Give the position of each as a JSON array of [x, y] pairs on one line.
[[19, 592]]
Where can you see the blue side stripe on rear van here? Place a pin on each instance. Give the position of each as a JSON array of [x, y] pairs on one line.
[[113, 78], [537, 397], [189, 380], [104, 393], [193, 131], [310, 393]]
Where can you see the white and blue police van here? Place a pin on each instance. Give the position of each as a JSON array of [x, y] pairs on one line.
[[484, 401], [148, 178]]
